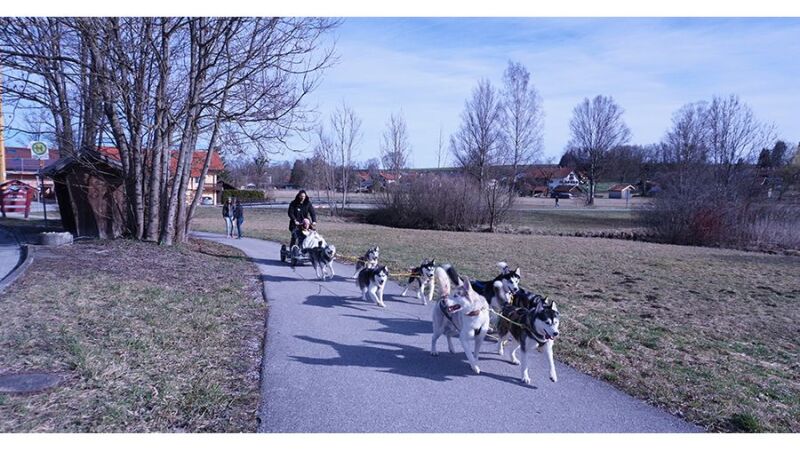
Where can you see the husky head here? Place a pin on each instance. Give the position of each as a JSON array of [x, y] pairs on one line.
[[426, 269], [510, 279], [464, 298], [546, 319], [373, 253], [380, 275], [330, 251]]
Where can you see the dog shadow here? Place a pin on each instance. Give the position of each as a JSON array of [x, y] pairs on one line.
[[331, 301], [406, 327], [269, 262], [275, 278], [387, 357], [399, 359]]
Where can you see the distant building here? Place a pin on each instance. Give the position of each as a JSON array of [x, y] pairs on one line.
[[20, 165], [621, 191], [211, 191]]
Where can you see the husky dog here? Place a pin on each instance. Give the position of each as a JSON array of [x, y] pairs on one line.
[[446, 277], [322, 258], [501, 289], [373, 281], [422, 278], [369, 260], [538, 326], [464, 314], [526, 299]]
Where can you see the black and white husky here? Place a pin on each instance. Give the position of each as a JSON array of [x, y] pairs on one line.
[[322, 257], [501, 289], [373, 281], [421, 279], [464, 314], [369, 260], [530, 326]]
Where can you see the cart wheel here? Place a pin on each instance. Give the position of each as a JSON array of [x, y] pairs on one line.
[[283, 253]]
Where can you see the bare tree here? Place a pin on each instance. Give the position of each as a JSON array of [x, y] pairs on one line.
[[323, 173], [346, 127], [441, 155], [524, 116], [395, 148], [149, 83], [478, 144], [479, 148], [596, 127], [734, 136]]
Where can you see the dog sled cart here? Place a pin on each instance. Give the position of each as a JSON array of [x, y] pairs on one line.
[[298, 254]]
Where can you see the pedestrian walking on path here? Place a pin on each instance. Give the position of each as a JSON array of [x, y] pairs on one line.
[[238, 215], [227, 214]]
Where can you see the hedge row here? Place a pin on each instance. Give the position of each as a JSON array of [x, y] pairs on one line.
[[244, 196]]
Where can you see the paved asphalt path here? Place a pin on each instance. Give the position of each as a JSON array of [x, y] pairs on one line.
[[334, 363], [9, 252]]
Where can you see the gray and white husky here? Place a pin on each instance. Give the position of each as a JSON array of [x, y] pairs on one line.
[[421, 279], [369, 260], [535, 326], [464, 314], [322, 258], [373, 281]]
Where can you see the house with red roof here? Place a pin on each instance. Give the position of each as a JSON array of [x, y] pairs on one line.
[[20, 165], [212, 193]]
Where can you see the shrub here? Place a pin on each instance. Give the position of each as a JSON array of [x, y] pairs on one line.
[[698, 212], [436, 202], [246, 196]]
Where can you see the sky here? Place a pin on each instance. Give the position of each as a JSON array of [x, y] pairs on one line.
[[427, 68]]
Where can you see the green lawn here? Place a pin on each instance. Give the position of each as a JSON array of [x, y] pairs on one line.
[[708, 334]]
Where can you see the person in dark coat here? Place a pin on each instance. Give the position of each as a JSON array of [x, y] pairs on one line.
[[227, 214], [238, 215], [300, 208]]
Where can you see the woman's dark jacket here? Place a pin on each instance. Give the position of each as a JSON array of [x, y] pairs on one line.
[[227, 211], [299, 211], [238, 213]]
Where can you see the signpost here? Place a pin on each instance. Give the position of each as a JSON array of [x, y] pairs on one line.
[[40, 151]]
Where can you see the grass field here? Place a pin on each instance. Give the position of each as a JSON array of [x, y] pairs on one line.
[[708, 334], [148, 339]]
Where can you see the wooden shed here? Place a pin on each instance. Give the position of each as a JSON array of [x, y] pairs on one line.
[[91, 195]]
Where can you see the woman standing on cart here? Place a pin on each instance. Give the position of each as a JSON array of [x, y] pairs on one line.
[[300, 208]]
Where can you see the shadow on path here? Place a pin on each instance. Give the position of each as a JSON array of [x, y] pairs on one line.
[[399, 359], [406, 327], [330, 301]]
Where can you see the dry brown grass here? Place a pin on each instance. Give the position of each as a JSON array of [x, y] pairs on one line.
[[148, 338], [708, 334]]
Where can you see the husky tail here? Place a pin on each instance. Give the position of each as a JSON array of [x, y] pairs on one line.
[[446, 276], [503, 267]]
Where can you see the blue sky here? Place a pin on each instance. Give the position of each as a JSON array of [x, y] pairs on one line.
[[427, 67]]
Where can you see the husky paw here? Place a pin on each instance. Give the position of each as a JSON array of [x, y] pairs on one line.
[[382, 305], [526, 379], [476, 369], [553, 377], [434, 353], [515, 361]]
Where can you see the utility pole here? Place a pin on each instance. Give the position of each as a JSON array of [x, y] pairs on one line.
[[2, 133]]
